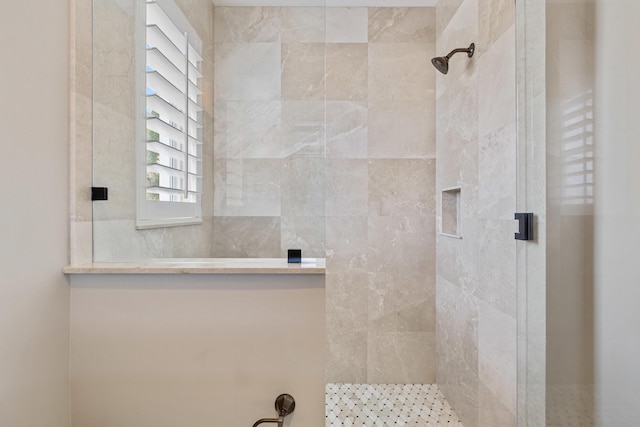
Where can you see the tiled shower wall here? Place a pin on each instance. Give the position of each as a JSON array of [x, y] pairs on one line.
[[380, 281], [476, 275], [355, 179]]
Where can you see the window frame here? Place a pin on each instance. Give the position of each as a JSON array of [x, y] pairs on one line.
[[156, 213]]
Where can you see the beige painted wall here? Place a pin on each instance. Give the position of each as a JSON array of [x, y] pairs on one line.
[[571, 169], [34, 295], [617, 219], [195, 350]]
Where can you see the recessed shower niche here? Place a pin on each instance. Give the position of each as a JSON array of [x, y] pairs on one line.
[[450, 214]]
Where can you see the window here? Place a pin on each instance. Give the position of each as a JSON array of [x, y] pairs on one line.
[[170, 154]]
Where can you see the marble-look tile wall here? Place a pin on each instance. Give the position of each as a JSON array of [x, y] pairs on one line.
[[325, 140], [476, 275], [380, 206], [115, 72], [269, 131]]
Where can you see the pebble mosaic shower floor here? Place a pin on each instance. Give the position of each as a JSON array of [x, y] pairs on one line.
[[387, 405]]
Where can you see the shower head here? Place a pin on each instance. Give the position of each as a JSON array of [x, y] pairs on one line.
[[442, 62]]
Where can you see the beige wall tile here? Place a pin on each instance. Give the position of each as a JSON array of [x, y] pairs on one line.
[[303, 129], [303, 187], [305, 233], [247, 129], [347, 71], [302, 24], [496, 84], [347, 187], [247, 187], [495, 17], [492, 413], [346, 358], [496, 160], [398, 244], [401, 187], [497, 354], [246, 237], [402, 24], [401, 302], [303, 71], [400, 357], [402, 129], [246, 24], [346, 312], [400, 71], [346, 244], [346, 25], [247, 71], [347, 129]]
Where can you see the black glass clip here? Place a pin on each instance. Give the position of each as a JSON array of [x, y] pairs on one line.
[[525, 226], [99, 193], [294, 256]]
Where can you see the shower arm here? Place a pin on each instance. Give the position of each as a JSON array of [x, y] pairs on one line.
[[454, 51]]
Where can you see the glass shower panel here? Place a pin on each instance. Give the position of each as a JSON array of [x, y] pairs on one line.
[[141, 153], [249, 143], [557, 177], [570, 213]]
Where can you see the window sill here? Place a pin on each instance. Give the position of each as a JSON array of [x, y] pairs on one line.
[[203, 266]]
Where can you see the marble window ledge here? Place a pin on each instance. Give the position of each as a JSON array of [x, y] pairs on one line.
[[202, 266]]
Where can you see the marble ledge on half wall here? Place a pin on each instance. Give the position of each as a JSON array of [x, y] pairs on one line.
[[202, 266]]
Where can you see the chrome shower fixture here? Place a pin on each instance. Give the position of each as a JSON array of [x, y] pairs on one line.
[[442, 62]]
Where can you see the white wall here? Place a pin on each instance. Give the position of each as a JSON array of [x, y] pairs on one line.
[[617, 278], [34, 295]]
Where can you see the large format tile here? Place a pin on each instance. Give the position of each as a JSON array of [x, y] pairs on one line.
[[247, 129], [347, 187], [457, 348], [401, 302], [401, 357], [346, 24], [401, 24], [303, 129], [347, 71], [247, 187], [497, 355], [246, 237], [246, 24], [302, 24], [402, 129], [403, 187], [346, 244], [247, 71], [400, 71], [303, 71], [305, 233], [398, 244], [346, 312], [347, 357], [347, 129]]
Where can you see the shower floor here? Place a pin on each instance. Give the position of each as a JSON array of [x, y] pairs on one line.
[[387, 405]]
